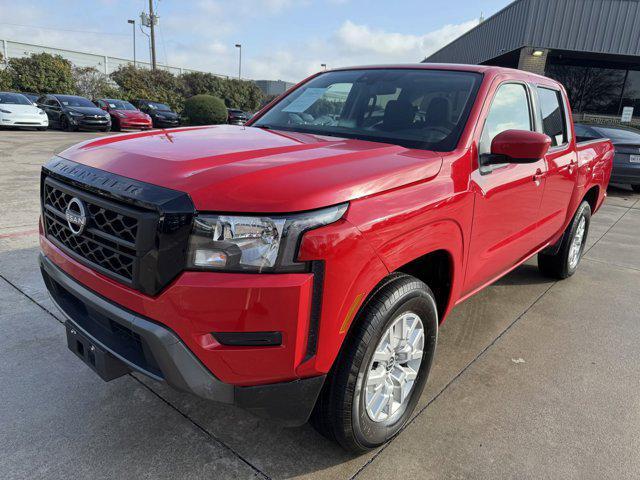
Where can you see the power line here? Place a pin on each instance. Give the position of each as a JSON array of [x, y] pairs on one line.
[[63, 29]]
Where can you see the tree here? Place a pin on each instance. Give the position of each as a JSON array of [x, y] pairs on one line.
[[92, 83], [41, 73], [205, 110], [157, 85], [236, 93]]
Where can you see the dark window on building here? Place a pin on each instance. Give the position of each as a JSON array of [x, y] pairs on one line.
[[553, 122], [631, 96], [591, 89], [509, 111]]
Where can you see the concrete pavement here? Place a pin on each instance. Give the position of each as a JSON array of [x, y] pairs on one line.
[[533, 378]]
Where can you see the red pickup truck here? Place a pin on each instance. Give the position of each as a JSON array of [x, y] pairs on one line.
[[299, 267]]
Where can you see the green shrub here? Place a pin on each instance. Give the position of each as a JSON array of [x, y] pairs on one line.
[[157, 85], [241, 94], [5, 80], [41, 73], [205, 110], [92, 83]]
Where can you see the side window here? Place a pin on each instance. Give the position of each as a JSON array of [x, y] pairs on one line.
[[553, 121], [509, 111]]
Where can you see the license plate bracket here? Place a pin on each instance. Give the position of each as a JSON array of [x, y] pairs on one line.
[[99, 360]]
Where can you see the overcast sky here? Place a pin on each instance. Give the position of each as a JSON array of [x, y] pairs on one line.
[[282, 39]]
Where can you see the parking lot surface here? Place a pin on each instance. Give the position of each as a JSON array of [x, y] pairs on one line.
[[532, 379]]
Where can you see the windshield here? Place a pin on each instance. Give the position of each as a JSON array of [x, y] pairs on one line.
[[70, 101], [159, 106], [14, 99], [619, 135], [119, 105], [417, 108]]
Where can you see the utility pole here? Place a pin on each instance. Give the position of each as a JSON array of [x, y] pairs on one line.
[[152, 23], [239, 47], [133, 24]]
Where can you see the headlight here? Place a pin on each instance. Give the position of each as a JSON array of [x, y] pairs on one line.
[[76, 114], [5, 111], [254, 243], [160, 116], [41, 112]]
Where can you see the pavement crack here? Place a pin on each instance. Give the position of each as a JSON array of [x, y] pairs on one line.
[[456, 377], [204, 430], [30, 298], [605, 233]]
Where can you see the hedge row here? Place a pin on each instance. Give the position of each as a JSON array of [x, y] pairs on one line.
[[45, 73]]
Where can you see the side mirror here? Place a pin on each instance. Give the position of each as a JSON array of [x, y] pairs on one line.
[[517, 146], [105, 108]]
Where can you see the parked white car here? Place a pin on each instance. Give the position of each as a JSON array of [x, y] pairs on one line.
[[16, 110]]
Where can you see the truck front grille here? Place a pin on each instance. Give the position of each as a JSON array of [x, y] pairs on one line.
[[133, 232], [108, 241]]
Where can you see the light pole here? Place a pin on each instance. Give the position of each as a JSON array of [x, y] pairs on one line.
[[133, 24], [323, 65], [239, 47]]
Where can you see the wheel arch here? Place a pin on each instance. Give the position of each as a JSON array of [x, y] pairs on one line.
[[591, 197]]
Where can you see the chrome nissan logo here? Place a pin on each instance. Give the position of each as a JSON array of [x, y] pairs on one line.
[[76, 215]]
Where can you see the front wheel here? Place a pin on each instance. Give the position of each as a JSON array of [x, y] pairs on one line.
[[564, 262], [66, 125], [636, 188], [382, 368]]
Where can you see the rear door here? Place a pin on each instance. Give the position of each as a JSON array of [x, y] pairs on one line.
[[562, 161], [507, 197]]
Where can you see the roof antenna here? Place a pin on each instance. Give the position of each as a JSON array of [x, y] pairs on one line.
[[481, 19]]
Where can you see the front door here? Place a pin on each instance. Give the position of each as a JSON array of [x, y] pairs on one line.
[[507, 197]]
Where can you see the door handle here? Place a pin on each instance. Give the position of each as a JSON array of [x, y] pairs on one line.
[[537, 177], [572, 166]]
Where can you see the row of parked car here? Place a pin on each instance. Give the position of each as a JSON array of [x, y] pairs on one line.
[[72, 112]]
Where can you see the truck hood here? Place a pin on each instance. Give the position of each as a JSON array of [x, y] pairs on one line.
[[247, 169]]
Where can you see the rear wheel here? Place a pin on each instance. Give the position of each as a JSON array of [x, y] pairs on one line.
[[565, 262], [382, 368], [636, 188]]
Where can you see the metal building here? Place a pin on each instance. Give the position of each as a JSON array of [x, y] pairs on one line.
[[273, 87], [591, 46]]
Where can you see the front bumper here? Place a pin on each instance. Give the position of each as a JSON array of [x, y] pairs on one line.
[[166, 122], [24, 121], [159, 353], [90, 123]]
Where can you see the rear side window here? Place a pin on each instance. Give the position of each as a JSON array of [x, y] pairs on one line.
[[509, 111], [553, 121]]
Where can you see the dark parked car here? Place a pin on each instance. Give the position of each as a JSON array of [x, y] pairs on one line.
[[626, 141], [71, 113], [237, 117], [161, 114], [32, 97], [124, 115]]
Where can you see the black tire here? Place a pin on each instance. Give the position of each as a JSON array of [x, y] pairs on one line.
[[636, 188], [115, 126], [66, 125], [41, 129], [558, 265], [340, 412]]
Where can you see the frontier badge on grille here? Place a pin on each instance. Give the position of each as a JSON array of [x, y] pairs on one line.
[[76, 215]]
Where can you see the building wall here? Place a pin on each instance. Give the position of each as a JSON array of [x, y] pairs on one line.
[[273, 87]]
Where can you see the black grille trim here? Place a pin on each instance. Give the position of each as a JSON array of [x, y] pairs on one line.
[[152, 224]]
